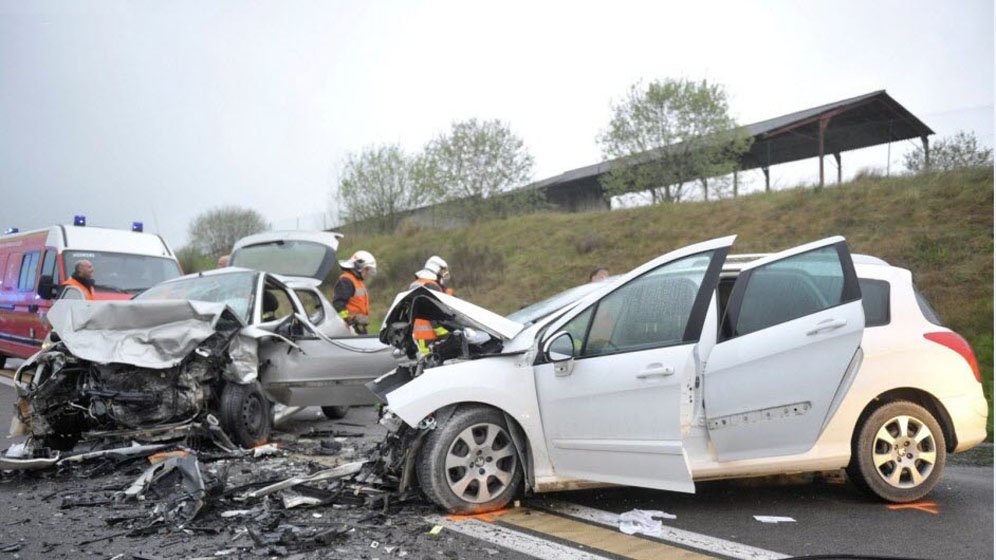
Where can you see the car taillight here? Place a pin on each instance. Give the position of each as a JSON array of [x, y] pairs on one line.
[[957, 343]]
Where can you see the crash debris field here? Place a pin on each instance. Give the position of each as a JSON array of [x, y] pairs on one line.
[[311, 493]]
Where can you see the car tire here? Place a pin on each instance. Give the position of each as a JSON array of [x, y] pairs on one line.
[[3, 361], [335, 412], [898, 452], [245, 414], [469, 464]]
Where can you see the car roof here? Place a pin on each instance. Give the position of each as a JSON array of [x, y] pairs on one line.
[[736, 262]]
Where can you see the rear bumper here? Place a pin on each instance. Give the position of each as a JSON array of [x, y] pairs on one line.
[[968, 416]]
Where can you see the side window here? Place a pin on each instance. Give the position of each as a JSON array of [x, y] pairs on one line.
[[48, 266], [925, 308], [10, 277], [276, 304], [29, 272], [790, 288], [875, 299], [312, 306], [650, 311], [577, 327]]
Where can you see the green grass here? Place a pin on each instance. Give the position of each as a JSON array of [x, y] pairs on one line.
[[940, 226]]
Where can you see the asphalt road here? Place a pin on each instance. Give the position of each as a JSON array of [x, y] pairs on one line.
[[830, 518]]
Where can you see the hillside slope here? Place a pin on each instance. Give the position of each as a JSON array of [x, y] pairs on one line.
[[940, 226]]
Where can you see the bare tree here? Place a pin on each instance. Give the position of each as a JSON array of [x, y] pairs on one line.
[[379, 183], [214, 232], [669, 134]]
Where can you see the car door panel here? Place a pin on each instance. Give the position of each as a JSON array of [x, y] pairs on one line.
[[785, 348], [618, 416], [619, 428]]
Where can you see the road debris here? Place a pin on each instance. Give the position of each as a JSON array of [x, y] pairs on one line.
[[645, 522], [773, 519]]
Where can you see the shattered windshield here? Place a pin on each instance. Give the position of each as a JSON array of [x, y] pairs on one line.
[[532, 313], [122, 272], [233, 289]]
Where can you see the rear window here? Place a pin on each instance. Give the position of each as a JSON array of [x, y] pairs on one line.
[[875, 299], [290, 258], [926, 309]]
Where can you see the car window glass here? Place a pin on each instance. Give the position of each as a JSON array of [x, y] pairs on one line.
[[875, 299], [312, 306], [577, 327], [29, 270], [649, 311], [790, 288], [234, 289], [48, 265], [925, 308], [276, 304]]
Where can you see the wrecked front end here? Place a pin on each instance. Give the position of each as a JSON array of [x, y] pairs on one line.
[[108, 373]]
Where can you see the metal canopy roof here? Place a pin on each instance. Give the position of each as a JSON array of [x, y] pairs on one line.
[[858, 122]]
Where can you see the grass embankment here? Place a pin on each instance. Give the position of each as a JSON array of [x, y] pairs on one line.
[[940, 226]]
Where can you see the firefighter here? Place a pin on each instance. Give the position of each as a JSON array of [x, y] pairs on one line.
[[434, 276], [349, 296], [82, 280]]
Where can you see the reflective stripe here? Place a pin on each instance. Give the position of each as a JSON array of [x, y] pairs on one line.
[[87, 292], [359, 304], [423, 328]]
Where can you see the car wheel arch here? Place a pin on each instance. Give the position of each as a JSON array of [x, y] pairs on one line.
[[917, 396]]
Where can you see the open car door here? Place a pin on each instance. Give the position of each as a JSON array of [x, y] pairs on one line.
[[614, 412], [789, 342]]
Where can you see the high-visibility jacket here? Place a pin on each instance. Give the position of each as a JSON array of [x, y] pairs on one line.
[[87, 291], [358, 306], [422, 329]]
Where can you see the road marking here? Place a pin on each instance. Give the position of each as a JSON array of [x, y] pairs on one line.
[[689, 539], [513, 540], [596, 537], [929, 507], [4, 380]]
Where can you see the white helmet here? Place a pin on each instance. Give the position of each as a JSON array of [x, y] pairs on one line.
[[359, 261], [435, 269]]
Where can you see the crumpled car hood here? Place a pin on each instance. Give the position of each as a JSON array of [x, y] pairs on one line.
[[463, 312], [153, 334]]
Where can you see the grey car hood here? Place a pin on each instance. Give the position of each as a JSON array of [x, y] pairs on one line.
[[153, 334]]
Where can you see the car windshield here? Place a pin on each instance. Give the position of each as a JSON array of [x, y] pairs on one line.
[[532, 313], [234, 289], [122, 272], [289, 258]]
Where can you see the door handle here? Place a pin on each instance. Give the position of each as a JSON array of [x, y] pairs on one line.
[[655, 370], [827, 325]]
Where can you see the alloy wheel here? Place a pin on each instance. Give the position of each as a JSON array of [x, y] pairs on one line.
[[480, 463], [904, 451]]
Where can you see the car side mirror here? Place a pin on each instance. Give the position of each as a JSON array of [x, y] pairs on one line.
[[47, 288], [559, 350]]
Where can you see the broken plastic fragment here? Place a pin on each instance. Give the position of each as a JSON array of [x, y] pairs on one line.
[[266, 449], [337, 472], [436, 530], [773, 519]]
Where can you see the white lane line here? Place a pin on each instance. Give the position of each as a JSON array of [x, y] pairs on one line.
[[513, 540], [669, 534]]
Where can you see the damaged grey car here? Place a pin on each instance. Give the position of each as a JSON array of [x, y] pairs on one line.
[[205, 355]]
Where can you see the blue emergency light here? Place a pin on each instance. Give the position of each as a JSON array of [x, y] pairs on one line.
[[79, 220], [136, 226], [10, 230]]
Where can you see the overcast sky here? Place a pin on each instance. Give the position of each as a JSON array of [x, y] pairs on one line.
[[156, 111]]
